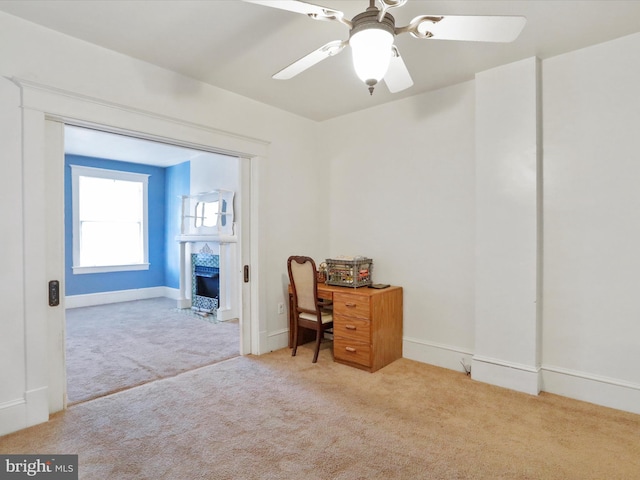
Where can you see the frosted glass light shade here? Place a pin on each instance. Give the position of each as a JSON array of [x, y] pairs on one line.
[[371, 50]]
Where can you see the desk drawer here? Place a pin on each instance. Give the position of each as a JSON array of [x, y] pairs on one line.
[[352, 351], [351, 304], [353, 328]]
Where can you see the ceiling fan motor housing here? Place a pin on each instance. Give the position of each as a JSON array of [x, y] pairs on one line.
[[369, 19]]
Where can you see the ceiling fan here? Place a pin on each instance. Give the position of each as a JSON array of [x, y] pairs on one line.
[[372, 33]]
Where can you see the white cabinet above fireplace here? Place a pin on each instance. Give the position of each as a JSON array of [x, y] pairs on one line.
[[208, 216]]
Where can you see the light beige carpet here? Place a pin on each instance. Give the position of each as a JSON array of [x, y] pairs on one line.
[[122, 345], [282, 417]]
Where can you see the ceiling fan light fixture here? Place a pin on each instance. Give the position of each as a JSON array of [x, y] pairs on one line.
[[371, 49], [371, 42]]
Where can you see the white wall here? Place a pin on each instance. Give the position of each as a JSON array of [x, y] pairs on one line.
[[591, 326], [213, 171], [402, 192]]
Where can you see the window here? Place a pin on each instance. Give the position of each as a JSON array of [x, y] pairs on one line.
[[110, 231]]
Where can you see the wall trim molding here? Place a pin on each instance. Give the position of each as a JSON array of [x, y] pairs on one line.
[[74, 108], [515, 376], [35, 87], [504, 363], [103, 298], [600, 390], [588, 376], [586, 387], [33, 408], [12, 416], [278, 340], [438, 354]]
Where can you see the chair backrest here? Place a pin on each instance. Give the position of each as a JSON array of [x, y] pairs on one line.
[[302, 275]]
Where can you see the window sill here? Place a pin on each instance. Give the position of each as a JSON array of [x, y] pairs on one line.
[[110, 268]]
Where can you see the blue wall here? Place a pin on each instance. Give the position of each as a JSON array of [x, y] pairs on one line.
[[160, 256], [177, 181]]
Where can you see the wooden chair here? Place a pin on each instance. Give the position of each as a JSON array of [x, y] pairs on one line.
[[308, 311]]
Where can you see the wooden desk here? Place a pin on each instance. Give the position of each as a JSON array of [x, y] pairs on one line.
[[367, 325]]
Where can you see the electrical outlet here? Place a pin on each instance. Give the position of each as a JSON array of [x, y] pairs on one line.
[[281, 309]]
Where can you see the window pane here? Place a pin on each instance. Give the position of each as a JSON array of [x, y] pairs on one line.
[[111, 221], [103, 199], [110, 243]]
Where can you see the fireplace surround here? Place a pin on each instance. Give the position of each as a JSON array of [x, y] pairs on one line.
[[205, 284]]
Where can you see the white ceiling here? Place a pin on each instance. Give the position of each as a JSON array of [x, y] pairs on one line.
[[237, 46], [92, 143]]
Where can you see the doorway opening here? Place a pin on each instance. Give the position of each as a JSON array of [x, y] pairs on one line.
[[135, 297]]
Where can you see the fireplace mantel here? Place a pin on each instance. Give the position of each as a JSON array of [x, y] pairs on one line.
[[197, 238]]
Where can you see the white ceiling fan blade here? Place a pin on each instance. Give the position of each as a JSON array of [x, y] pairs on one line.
[[314, 11], [473, 28], [397, 77], [326, 51], [387, 4]]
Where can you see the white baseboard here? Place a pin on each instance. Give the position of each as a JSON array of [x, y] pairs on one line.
[[515, 377], [24, 412], [440, 355], [225, 314], [277, 340], [604, 391], [172, 293], [608, 392], [12, 416], [522, 378], [37, 400], [103, 298]]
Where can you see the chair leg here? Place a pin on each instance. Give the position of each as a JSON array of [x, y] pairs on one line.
[[319, 335], [295, 340]]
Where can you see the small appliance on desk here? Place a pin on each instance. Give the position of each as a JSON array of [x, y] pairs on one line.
[[349, 271]]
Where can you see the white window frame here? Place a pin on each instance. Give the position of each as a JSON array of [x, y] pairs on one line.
[[82, 171]]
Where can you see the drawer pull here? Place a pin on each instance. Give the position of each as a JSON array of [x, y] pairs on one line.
[[350, 349], [350, 327], [350, 305]]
